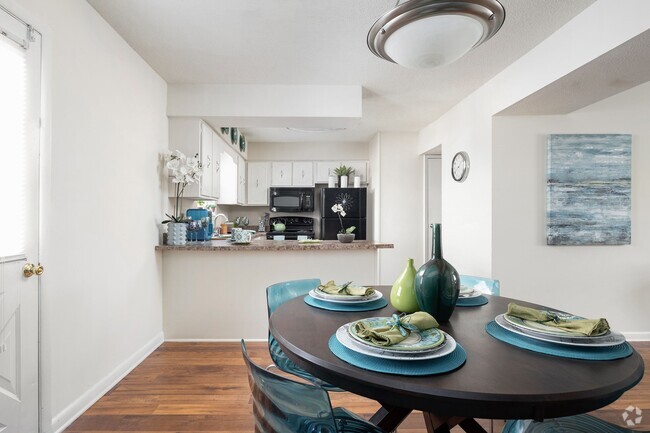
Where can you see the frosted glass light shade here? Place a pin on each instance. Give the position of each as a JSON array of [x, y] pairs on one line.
[[433, 41], [430, 33]]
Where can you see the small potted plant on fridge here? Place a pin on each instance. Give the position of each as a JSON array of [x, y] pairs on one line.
[[343, 173], [344, 235]]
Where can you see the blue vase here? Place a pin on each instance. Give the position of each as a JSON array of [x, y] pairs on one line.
[[437, 284]]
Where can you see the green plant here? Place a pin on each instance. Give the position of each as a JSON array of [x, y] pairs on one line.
[[342, 170]]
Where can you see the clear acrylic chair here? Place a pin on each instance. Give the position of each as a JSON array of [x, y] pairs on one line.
[[276, 295], [484, 285], [569, 424], [487, 286], [281, 405]]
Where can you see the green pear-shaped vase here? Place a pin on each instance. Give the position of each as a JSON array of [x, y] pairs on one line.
[[437, 284], [402, 295]]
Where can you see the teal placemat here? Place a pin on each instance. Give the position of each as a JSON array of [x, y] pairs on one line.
[[366, 306], [407, 368], [472, 302], [576, 352]]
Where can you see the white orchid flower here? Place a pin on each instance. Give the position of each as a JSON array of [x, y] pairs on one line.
[[342, 213]]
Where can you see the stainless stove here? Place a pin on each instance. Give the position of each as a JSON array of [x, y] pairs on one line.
[[294, 227]]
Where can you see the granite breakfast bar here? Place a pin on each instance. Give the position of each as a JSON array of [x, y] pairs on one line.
[[216, 290]]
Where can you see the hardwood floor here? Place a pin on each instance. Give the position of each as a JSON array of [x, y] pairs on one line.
[[202, 387]]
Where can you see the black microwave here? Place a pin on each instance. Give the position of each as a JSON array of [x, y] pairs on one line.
[[290, 199]]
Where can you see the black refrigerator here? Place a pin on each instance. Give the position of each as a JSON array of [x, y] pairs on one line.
[[353, 201]]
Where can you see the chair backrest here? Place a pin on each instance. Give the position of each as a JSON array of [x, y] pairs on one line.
[[485, 285], [279, 293], [282, 405]]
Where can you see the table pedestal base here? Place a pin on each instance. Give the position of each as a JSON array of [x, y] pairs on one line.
[[389, 418]]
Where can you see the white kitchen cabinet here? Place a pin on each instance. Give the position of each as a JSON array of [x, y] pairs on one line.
[[258, 183], [229, 176], [360, 169], [195, 137], [325, 169], [281, 174], [302, 173], [241, 180]]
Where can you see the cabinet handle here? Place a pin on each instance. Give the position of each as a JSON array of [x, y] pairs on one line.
[[209, 161], [216, 164], [257, 183], [303, 174], [281, 173]]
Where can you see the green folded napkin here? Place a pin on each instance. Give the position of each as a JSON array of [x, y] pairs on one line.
[[346, 289], [396, 329], [587, 327]]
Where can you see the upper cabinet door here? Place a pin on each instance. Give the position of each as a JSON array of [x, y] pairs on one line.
[[280, 173], [325, 169], [303, 173], [258, 183], [241, 178], [205, 182], [217, 146], [360, 169]]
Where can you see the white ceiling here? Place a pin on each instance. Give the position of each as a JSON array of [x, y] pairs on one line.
[[299, 42]]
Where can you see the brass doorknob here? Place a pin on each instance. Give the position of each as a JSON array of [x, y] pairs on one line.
[[29, 270]]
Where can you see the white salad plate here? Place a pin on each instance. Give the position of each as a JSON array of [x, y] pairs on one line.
[[470, 295], [344, 337], [345, 299], [613, 338]]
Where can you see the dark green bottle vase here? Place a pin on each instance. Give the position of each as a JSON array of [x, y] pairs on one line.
[[437, 284]]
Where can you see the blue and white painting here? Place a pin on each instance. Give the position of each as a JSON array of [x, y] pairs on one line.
[[588, 189]]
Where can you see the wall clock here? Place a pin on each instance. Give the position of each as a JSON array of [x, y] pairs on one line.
[[460, 166]]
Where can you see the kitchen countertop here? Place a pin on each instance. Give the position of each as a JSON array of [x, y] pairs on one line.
[[261, 244]]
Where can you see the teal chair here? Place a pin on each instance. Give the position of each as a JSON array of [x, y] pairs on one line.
[[569, 424], [485, 285], [276, 295], [281, 405]]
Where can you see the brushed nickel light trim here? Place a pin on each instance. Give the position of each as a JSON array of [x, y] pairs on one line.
[[489, 13]]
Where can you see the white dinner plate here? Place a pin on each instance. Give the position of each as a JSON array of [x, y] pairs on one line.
[[346, 299], [541, 328], [324, 295], [344, 337], [612, 339], [470, 295]]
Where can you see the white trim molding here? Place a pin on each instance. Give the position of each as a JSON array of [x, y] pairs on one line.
[[68, 415]]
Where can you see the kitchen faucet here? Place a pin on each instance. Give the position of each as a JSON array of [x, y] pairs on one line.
[[220, 215]]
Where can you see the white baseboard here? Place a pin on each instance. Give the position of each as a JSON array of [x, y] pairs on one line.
[[68, 415], [212, 340], [637, 336]]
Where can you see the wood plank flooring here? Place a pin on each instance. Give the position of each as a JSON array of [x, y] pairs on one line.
[[203, 387]]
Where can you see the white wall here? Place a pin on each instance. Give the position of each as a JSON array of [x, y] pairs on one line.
[[467, 207], [398, 199], [611, 281], [104, 126]]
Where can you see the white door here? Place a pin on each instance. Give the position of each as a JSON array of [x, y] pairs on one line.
[[434, 197], [19, 168]]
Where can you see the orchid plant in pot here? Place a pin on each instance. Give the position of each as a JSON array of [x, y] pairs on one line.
[[184, 171], [344, 235]]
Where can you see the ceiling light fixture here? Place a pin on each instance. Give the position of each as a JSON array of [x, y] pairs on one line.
[[310, 130], [430, 33]]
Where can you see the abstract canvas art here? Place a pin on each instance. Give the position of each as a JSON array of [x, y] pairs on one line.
[[588, 189]]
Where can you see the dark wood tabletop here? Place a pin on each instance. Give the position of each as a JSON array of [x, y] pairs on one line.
[[498, 380]]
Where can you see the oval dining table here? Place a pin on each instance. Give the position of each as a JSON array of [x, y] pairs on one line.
[[498, 380]]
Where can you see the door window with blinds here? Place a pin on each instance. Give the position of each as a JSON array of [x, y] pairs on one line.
[[20, 90], [20, 77]]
